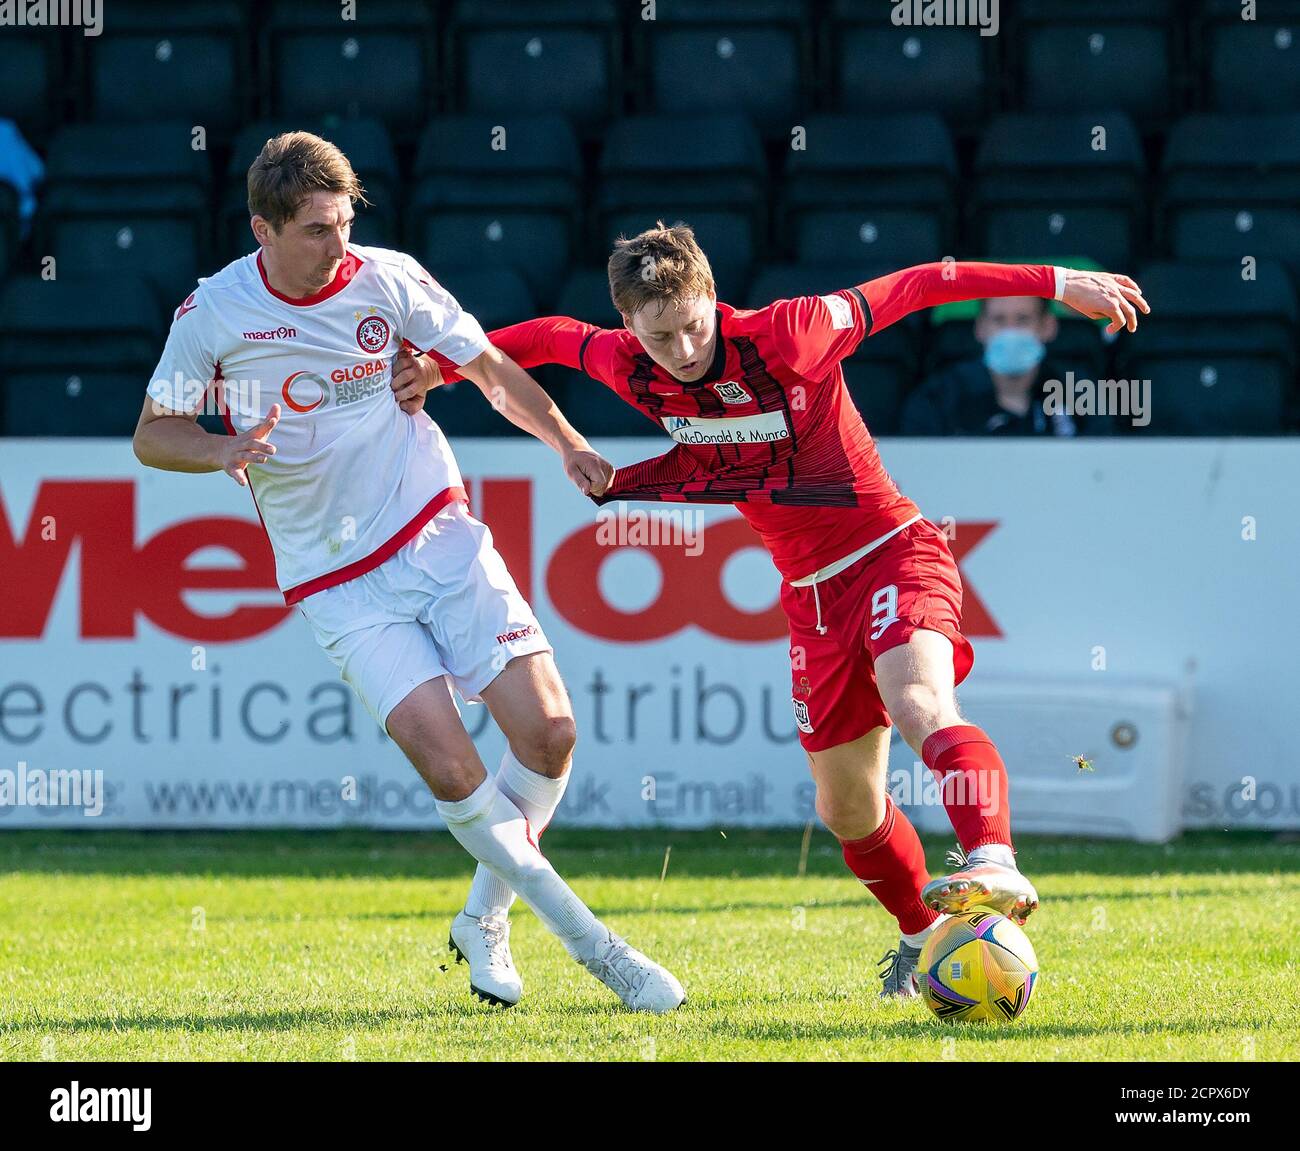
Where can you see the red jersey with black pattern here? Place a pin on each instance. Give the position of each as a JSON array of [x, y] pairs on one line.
[[771, 427]]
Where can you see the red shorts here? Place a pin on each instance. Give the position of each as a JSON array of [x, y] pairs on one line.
[[910, 583]]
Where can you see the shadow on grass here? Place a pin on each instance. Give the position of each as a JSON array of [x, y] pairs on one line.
[[930, 1030], [252, 1021], [591, 855], [693, 1023], [441, 914]]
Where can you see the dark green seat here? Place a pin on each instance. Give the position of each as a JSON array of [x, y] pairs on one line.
[[129, 199], [560, 56], [1220, 351], [76, 354], [512, 206], [188, 61], [1042, 186]]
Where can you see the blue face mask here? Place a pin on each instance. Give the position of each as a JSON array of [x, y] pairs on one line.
[[1013, 351]]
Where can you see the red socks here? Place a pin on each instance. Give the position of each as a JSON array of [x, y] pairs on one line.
[[973, 783], [891, 862]]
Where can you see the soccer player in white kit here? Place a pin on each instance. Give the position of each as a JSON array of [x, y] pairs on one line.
[[365, 510]]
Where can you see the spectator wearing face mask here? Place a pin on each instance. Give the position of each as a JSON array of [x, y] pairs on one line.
[[1003, 392]]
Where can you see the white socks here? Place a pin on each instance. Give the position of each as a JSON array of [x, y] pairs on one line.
[[999, 853], [537, 796], [492, 829], [918, 940]]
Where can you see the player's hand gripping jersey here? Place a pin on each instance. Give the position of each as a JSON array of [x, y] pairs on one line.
[[353, 477], [770, 427]]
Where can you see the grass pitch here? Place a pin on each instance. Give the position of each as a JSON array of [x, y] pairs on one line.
[[331, 945]]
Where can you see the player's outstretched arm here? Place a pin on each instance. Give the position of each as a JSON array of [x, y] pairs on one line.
[[174, 442], [518, 397], [546, 340], [1099, 295]]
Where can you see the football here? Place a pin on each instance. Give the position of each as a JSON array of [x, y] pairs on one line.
[[978, 966]]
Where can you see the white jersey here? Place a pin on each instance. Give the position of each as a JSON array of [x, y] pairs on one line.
[[353, 477]]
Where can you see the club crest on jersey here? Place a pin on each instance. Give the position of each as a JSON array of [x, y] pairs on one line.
[[732, 392], [801, 716], [372, 334]]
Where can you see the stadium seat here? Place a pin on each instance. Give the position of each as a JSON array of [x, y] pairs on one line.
[[1250, 65], [593, 409], [129, 198], [1043, 186], [378, 65], [878, 186], [496, 297], [32, 83], [177, 61], [368, 148], [745, 56], [1232, 187], [498, 192], [708, 171], [879, 66], [10, 226], [561, 56], [881, 370], [76, 354], [1119, 52], [586, 297], [1219, 350]]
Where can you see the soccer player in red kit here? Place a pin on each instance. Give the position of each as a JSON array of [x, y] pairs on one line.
[[756, 402]]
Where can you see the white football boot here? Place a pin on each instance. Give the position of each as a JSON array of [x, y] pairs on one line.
[[637, 980], [898, 972], [485, 945], [1003, 889]]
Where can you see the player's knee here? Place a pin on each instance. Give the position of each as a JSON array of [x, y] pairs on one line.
[[850, 816], [451, 777], [548, 745], [919, 709]]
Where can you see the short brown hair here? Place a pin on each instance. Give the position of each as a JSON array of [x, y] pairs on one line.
[[289, 168], [661, 264]]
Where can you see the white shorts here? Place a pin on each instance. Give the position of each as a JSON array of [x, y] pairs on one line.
[[443, 605]]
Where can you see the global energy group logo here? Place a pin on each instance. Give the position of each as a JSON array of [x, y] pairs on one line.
[[306, 391], [312, 391]]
